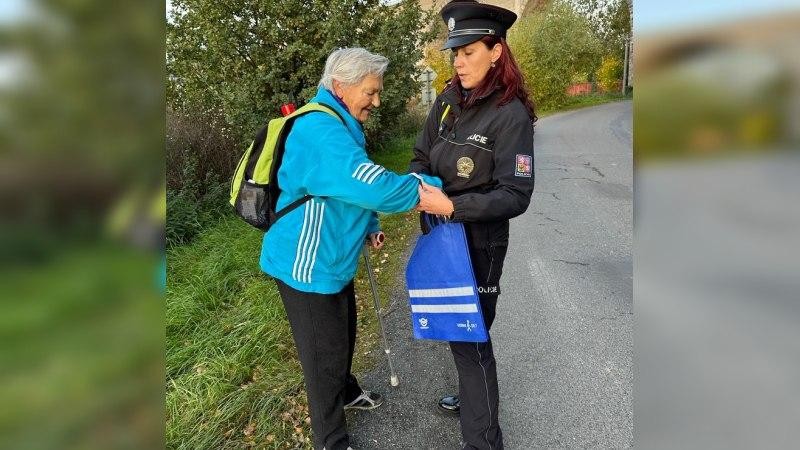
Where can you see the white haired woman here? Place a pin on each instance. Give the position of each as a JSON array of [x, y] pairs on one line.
[[312, 252]]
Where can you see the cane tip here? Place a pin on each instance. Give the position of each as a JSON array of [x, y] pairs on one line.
[[395, 381]]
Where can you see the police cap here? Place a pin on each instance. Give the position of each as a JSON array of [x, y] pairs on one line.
[[467, 21]]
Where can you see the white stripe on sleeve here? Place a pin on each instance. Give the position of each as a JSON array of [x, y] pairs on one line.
[[364, 177], [360, 166], [361, 171], [375, 175]]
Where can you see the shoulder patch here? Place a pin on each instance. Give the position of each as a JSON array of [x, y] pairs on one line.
[[524, 166]]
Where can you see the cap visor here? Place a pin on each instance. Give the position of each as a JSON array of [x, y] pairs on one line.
[[460, 41]]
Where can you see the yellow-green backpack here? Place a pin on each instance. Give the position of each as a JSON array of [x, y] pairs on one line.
[[254, 188]]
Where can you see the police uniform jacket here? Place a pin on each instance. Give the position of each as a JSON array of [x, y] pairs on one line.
[[484, 156]]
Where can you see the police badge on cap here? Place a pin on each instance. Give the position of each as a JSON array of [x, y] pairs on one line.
[[468, 21]]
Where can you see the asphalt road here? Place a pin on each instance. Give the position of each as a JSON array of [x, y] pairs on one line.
[[563, 335], [717, 310]]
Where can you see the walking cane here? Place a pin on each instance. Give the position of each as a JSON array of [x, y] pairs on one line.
[[393, 377]]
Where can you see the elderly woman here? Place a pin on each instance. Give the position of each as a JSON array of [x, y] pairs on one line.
[[312, 252]]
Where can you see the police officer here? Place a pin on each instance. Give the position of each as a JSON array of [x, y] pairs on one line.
[[478, 138]]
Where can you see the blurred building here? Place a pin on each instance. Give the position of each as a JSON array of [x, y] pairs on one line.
[[738, 57]]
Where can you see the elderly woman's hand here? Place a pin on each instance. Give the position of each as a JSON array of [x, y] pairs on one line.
[[376, 240], [433, 201]]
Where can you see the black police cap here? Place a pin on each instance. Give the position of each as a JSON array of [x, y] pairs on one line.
[[467, 21]]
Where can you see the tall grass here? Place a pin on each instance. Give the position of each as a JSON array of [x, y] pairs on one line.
[[231, 368]]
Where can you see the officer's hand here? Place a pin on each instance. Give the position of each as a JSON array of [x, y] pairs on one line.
[[376, 240], [426, 188], [433, 201]]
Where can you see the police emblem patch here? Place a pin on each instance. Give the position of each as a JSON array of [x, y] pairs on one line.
[[464, 165], [451, 24], [524, 166]]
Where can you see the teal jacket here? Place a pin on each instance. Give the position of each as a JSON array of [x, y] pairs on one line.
[[315, 248]]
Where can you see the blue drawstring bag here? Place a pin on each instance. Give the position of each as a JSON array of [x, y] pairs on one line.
[[441, 285]]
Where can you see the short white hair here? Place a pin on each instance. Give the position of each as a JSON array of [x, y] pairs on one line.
[[350, 66]]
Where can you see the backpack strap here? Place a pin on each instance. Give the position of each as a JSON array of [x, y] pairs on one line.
[[315, 107]]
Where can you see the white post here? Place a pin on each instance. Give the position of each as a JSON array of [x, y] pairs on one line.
[[625, 67]]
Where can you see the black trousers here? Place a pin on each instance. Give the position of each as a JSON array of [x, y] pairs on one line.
[[477, 370], [324, 331]]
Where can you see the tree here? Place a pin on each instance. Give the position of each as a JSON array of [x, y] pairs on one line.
[[551, 47], [241, 59], [610, 22]]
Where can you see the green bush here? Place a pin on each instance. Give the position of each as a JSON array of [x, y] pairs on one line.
[[195, 206], [198, 145], [201, 159], [552, 47]]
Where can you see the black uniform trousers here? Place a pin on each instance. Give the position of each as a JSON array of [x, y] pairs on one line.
[[477, 372], [324, 331]]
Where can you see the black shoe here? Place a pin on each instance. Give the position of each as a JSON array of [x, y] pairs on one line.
[[449, 404]]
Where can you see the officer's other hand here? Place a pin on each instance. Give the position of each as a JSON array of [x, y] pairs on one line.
[[427, 187], [433, 201], [376, 240]]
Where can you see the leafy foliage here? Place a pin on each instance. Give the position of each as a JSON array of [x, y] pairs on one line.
[[610, 73], [242, 59], [610, 22], [439, 61], [553, 46]]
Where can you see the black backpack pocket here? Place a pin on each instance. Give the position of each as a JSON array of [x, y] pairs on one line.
[[252, 204]]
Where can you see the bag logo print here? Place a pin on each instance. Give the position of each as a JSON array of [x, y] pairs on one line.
[[423, 323], [469, 326]]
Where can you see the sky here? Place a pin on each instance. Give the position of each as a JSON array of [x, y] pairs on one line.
[[13, 10], [655, 15]]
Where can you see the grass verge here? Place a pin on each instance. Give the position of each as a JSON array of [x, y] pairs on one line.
[[586, 100]]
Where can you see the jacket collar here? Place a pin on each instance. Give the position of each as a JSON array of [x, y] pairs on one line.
[[353, 126], [450, 95]]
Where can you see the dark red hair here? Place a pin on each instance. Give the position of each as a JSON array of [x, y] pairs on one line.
[[505, 75]]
